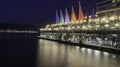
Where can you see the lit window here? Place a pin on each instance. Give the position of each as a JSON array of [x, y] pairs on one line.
[[113, 1]]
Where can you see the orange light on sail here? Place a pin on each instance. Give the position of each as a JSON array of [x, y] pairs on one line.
[[81, 15], [73, 16]]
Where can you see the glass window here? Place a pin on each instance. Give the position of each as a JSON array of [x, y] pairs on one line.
[[113, 1]]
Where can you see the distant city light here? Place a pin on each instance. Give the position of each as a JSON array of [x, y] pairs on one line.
[[106, 25]]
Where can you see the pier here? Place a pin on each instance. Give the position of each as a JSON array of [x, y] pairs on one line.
[[101, 29]]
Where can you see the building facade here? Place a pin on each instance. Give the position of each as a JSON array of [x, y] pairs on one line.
[[108, 12], [107, 4]]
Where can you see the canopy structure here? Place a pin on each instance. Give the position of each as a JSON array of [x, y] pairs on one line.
[[67, 19], [73, 16], [81, 15], [93, 14], [57, 17], [61, 17]]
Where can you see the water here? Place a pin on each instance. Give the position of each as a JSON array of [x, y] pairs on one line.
[[53, 54], [18, 52], [44, 53]]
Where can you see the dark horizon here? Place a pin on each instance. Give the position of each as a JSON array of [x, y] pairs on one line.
[[38, 12]]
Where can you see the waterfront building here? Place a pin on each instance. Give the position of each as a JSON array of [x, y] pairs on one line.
[[102, 28], [109, 13]]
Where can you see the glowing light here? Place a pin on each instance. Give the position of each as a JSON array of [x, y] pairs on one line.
[[61, 17], [95, 20], [67, 20], [90, 20], [57, 17], [81, 21], [76, 21], [97, 25], [62, 27], [85, 17], [77, 47], [93, 14], [73, 27], [106, 25], [47, 25], [56, 29], [96, 15], [85, 21], [112, 27], [78, 26], [112, 18], [69, 27], [83, 27], [103, 19], [81, 16], [89, 16], [106, 21], [117, 25], [73, 16], [89, 26], [41, 29]]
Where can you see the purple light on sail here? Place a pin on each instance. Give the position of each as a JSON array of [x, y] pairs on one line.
[[57, 17], [93, 14], [67, 20]]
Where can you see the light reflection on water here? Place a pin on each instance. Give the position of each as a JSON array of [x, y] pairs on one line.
[[53, 54]]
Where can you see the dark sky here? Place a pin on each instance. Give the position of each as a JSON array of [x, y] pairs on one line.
[[37, 12]]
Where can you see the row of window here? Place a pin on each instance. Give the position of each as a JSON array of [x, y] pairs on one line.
[[113, 1], [107, 2]]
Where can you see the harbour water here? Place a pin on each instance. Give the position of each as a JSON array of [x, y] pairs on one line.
[[44, 53]]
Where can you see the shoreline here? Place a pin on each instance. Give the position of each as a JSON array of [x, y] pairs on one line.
[[101, 48]]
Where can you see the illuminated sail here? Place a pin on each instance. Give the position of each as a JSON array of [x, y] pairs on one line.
[[73, 16], [57, 17], [81, 15], [93, 14], [61, 17], [67, 20]]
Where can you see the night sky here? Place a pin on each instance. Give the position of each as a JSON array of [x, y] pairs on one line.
[[38, 12]]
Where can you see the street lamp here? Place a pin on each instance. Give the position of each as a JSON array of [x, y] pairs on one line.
[[112, 18], [76, 21], [81, 21], [85, 17], [83, 27], [69, 28], [90, 17], [106, 25], [106, 21], [116, 25], [96, 15], [78, 27], [73, 27], [103, 19]]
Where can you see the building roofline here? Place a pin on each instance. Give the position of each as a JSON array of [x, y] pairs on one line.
[[102, 2], [108, 10]]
